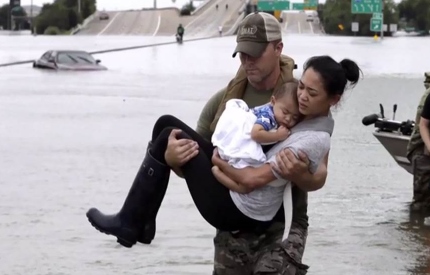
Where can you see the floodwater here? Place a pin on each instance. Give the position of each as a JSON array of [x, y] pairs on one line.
[[73, 140]]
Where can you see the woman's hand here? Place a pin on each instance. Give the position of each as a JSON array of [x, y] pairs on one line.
[[291, 168]]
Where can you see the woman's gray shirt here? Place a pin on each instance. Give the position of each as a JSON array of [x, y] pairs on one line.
[[311, 137]]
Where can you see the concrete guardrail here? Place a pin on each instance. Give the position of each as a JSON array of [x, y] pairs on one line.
[[79, 27]]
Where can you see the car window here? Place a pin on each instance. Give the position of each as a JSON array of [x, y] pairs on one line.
[[46, 55], [85, 58], [75, 58]]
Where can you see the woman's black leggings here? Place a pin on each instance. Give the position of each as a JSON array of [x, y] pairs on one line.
[[211, 198]]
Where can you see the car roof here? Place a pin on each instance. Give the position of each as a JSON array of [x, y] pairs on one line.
[[70, 51]]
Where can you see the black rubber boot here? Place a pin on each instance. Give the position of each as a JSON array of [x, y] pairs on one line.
[[128, 223], [147, 233]]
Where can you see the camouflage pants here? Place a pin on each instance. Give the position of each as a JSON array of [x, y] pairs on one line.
[[421, 169], [258, 254]]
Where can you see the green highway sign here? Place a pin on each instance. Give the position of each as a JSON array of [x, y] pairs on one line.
[[310, 4], [298, 6], [375, 25], [273, 5], [378, 16], [366, 6]]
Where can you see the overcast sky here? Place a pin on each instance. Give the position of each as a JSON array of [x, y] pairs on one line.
[[128, 4]]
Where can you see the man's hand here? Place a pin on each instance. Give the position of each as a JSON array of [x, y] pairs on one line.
[[291, 168], [179, 151]]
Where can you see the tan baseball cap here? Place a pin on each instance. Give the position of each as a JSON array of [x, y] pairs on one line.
[[256, 31]]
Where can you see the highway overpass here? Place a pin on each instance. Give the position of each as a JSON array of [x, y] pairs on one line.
[[204, 22], [297, 22]]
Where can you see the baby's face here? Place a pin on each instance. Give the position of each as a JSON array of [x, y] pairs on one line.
[[286, 111]]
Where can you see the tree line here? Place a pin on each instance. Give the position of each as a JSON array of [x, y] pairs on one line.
[[409, 15], [15, 19], [59, 17]]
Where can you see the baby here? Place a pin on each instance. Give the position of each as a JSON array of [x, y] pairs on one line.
[[241, 131]]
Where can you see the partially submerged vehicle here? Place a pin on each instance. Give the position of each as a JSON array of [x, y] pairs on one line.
[[392, 134], [68, 60]]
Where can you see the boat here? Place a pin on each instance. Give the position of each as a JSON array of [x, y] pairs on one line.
[[394, 135]]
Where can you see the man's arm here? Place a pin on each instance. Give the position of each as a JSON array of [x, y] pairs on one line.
[[255, 177], [206, 117], [249, 177], [304, 163], [229, 183], [424, 123]]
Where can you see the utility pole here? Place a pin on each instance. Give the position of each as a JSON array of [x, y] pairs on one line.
[[155, 4], [382, 21], [31, 16], [79, 7]]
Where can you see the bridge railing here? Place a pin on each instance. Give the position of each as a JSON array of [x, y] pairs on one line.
[[79, 27]]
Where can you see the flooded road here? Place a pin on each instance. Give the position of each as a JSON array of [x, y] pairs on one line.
[[72, 140]]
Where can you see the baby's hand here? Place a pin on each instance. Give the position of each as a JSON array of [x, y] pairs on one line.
[[282, 132]]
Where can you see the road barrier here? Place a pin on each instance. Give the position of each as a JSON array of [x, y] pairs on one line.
[[116, 50]]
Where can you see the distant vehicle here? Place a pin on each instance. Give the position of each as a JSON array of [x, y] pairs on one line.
[[310, 18], [104, 16], [68, 60]]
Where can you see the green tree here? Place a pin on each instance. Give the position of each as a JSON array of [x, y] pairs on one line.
[[416, 14], [4, 16], [64, 14], [18, 15], [88, 8], [19, 18]]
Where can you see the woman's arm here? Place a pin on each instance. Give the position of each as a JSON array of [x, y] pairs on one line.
[[229, 183], [295, 171]]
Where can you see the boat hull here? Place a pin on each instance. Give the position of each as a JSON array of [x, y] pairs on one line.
[[395, 144]]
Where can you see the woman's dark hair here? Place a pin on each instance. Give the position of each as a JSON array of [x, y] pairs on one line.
[[334, 75]]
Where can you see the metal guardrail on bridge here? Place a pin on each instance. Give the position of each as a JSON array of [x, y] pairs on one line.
[[116, 50]]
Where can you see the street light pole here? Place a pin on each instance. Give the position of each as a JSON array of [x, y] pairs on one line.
[[79, 7], [31, 16], [155, 4]]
